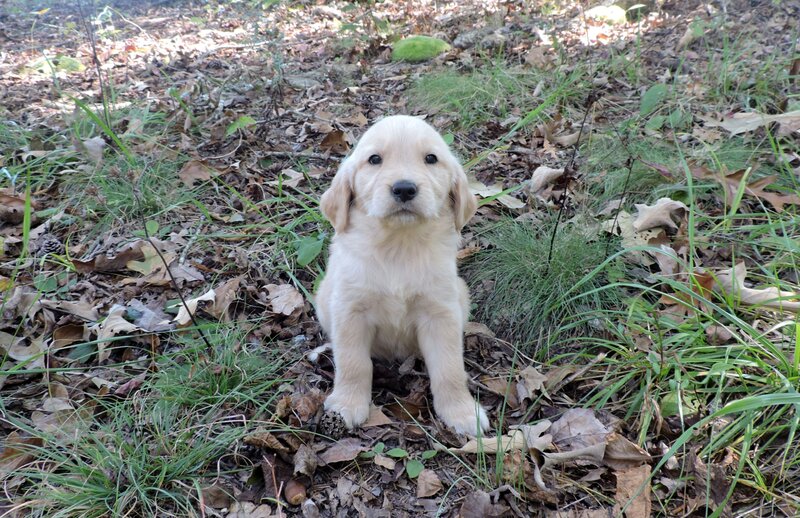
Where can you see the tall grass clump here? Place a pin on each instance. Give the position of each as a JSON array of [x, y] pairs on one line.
[[527, 300]]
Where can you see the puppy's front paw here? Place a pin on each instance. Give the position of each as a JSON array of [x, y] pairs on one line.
[[353, 409], [465, 418]]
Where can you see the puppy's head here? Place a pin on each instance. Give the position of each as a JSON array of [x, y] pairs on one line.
[[401, 172]]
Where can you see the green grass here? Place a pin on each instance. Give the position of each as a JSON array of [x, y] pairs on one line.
[[149, 454], [529, 299], [607, 175], [490, 91]]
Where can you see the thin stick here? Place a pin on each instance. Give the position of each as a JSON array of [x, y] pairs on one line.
[[562, 200]]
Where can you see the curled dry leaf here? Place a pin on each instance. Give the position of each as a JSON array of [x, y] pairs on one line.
[[622, 226], [285, 298], [660, 214], [114, 324], [32, 354], [305, 461], [184, 317], [12, 208], [531, 382], [543, 176], [731, 282], [337, 141], [622, 454], [732, 182], [93, 149], [225, 295], [68, 334], [428, 483]]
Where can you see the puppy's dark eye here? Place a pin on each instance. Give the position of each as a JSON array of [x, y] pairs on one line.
[[431, 159], [375, 159]]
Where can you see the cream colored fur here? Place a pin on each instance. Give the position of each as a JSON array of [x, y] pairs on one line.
[[392, 289]]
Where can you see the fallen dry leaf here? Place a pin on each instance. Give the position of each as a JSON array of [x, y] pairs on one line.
[[631, 238], [478, 504], [105, 263], [376, 418], [485, 191], [113, 325], [336, 142], [543, 176], [285, 298], [216, 496], [250, 510], [748, 121], [16, 452], [428, 483], [224, 296], [344, 450], [68, 334], [32, 354], [288, 178], [535, 435], [478, 328], [660, 214], [578, 428], [384, 462], [515, 440], [305, 461], [633, 492], [622, 454], [79, 308], [196, 171], [731, 184], [151, 262], [185, 312], [93, 149], [731, 282], [12, 209]]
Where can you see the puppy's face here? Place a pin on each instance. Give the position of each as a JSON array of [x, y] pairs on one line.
[[401, 172]]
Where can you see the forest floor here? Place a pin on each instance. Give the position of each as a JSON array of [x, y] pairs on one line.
[[633, 263]]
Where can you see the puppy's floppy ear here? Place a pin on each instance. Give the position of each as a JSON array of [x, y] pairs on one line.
[[335, 202], [464, 203]]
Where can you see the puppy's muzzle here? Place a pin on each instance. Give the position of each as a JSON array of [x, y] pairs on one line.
[[404, 191]]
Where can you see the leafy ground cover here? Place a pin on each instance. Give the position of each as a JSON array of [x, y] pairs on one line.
[[633, 264]]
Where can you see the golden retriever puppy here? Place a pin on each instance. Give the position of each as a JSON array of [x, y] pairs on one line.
[[397, 205]]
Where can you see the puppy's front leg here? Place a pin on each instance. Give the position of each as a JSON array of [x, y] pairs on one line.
[[440, 341], [352, 385]]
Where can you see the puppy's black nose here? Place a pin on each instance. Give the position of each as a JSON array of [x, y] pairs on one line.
[[404, 190]]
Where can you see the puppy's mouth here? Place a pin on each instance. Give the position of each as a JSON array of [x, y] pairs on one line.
[[404, 212]]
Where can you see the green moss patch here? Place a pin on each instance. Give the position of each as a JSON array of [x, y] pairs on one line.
[[418, 48]]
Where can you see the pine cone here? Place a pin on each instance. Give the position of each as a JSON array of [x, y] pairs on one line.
[[47, 244]]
